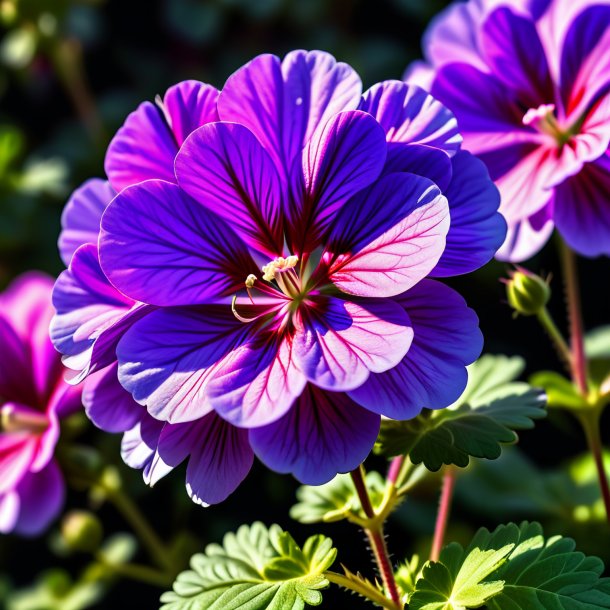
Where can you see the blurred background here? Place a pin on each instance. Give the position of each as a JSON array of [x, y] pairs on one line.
[[70, 71]]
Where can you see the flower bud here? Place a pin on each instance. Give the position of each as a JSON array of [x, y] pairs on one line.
[[82, 531], [527, 293]]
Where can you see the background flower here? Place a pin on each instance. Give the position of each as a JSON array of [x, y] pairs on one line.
[[34, 398], [530, 85], [347, 200]]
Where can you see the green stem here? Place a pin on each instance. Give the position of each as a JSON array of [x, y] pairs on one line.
[[589, 420], [362, 589], [137, 572], [547, 322], [374, 532]]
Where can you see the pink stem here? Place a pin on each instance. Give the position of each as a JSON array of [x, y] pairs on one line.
[[442, 517]]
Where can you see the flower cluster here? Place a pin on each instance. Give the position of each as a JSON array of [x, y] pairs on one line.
[[253, 278], [529, 83], [33, 399]]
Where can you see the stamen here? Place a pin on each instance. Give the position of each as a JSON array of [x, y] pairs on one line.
[[13, 419], [270, 270], [543, 119]]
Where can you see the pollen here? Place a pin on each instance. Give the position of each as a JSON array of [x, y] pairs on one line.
[[270, 270], [250, 280]]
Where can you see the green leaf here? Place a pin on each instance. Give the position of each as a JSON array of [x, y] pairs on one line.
[[560, 391], [407, 575], [486, 416], [254, 569], [513, 568], [336, 499]]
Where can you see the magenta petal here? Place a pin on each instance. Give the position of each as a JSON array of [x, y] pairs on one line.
[[392, 234], [168, 358], [16, 382], [410, 115], [187, 106], [324, 433], [81, 217], [338, 347], [143, 148], [107, 404], [257, 383], [224, 167], [344, 156], [41, 496], [9, 511], [161, 247], [515, 55], [582, 209], [477, 229], [17, 452], [283, 103], [433, 373]]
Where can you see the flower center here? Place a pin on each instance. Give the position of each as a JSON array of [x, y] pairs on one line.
[[544, 120], [15, 419]]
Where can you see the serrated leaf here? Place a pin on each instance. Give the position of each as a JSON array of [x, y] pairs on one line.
[[513, 568], [407, 575], [335, 500], [486, 416], [257, 568]]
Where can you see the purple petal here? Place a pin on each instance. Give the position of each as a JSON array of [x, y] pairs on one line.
[[426, 161], [582, 209], [410, 115], [224, 167], [220, 456], [283, 103], [187, 106], [168, 358], [339, 346], [393, 234], [585, 61], [16, 382], [139, 445], [433, 373], [477, 230], [17, 453], [344, 156], [257, 383], [86, 305], [107, 404], [80, 220], [9, 511], [41, 496], [324, 433], [161, 247]]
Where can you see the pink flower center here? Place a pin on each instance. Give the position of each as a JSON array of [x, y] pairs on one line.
[[543, 119], [16, 419]]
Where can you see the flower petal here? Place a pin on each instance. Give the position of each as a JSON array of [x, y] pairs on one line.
[[16, 381], [324, 433], [17, 452], [410, 115], [525, 238], [392, 234], [433, 373], [107, 404], [339, 346], [257, 383], [139, 444], [344, 156], [41, 496], [426, 161], [166, 360], [189, 105], [224, 167], [161, 247], [582, 209], [80, 220], [283, 103], [477, 229]]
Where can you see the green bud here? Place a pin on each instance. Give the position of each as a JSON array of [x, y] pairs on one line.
[[82, 531], [527, 293]]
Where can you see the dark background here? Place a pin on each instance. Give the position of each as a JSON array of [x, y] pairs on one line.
[[62, 99]]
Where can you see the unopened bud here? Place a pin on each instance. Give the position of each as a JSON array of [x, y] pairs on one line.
[[527, 293], [82, 531]]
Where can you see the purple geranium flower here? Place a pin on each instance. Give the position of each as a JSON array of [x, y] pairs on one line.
[[268, 291], [33, 398], [529, 82]]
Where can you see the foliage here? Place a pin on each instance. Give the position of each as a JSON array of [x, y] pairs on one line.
[[492, 407], [254, 569], [513, 567]]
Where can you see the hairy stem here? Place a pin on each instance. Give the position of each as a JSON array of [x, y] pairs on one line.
[[590, 423], [374, 532], [547, 322], [362, 589], [137, 572], [442, 517]]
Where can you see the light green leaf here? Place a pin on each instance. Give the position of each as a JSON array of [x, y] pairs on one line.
[[560, 391], [407, 574], [486, 416], [255, 569], [513, 568], [336, 499]]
